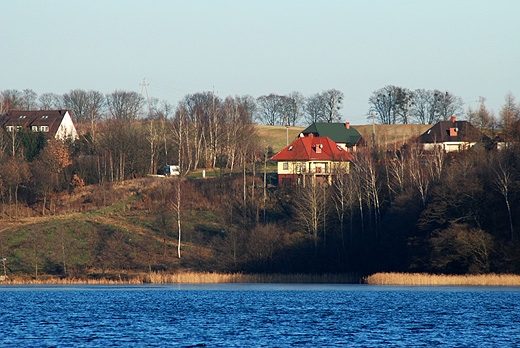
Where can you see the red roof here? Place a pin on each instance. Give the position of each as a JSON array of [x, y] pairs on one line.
[[312, 148]]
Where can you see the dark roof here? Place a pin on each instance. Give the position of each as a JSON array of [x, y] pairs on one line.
[[305, 149], [453, 131], [338, 132], [29, 118]]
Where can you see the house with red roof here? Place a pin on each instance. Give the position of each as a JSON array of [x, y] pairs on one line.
[[311, 158], [56, 123]]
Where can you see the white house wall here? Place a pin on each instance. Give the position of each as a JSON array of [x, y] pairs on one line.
[[66, 128]]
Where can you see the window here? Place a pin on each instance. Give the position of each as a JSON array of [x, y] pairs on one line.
[[453, 132], [298, 167], [44, 128], [285, 166]]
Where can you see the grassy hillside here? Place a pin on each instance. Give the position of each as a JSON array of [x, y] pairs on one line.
[[276, 136], [386, 135]]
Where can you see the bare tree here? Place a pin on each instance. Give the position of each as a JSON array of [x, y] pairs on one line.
[[425, 106], [459, 244], [13, 99], [509, 115], [309, 208], [15, 172], [481, 117], [48, 166], [30, 98], [272, 109], [313, 109], [51, 101], [344, 196], [324, 106], [332, 101], [420, 173], [77, 102], [96, 104], [370, 191], [391, 104], [448, 104], [504, 182], [176, 204], [123, 105], [295, 108]]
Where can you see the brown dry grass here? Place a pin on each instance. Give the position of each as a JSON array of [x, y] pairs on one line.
[[393, 135], [276, 136], [423, 279], [188, 278], [387, 135]]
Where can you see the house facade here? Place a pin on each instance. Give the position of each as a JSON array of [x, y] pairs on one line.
[[341, 133], [55, 123], [452, 136], [311, 159]]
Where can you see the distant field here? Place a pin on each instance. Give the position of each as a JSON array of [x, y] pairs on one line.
[[386, 135], [276, 136], [389, 134]]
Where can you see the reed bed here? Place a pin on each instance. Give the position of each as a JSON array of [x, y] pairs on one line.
[[424, 279], [189, 278]]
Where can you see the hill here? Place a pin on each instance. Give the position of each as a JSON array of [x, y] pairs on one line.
[[387, 136], [390, 135]]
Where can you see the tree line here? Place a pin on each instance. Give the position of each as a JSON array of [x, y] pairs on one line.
[[93, 106]]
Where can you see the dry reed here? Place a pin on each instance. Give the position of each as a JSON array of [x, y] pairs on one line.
[[423, 279], [189, 278]]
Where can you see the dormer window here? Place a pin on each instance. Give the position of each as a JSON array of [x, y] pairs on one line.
[[34, 128], [9, 128], [453, 132], [45, 116], [23, 116], [44, 128], [290, 148]]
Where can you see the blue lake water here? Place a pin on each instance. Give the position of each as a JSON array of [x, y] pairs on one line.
[[258, 315]]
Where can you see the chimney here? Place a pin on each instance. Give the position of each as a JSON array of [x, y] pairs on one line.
[[347, 125], [453, 119]]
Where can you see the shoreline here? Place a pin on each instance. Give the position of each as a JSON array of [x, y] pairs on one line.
[[396, 279]]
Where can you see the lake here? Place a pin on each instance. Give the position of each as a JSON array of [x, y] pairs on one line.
[[258, 315]]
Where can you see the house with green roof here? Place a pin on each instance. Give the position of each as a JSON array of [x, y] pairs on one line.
[[341, 133]]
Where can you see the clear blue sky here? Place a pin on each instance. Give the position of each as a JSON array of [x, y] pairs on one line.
[[470, 48]]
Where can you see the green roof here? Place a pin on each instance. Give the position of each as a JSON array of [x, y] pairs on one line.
[[338, 132]]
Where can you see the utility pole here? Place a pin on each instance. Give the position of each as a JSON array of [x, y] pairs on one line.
[[373, 131], [286, 130], [143, 88]]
